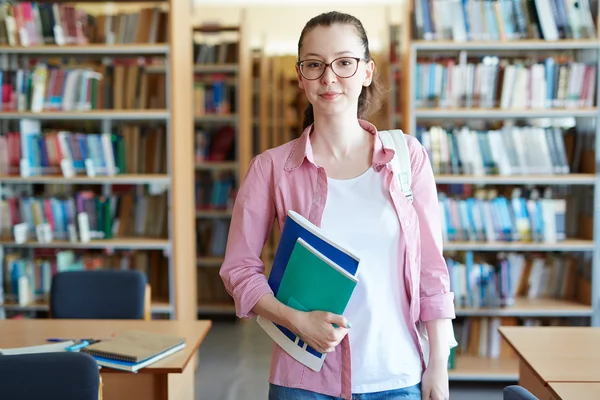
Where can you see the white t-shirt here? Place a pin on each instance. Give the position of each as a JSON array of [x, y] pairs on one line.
[[359, 213]]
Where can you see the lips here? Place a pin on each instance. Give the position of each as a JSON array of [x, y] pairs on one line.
[[329, 95]]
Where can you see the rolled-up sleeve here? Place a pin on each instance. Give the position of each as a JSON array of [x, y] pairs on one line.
[[253, 215], [437, 301]]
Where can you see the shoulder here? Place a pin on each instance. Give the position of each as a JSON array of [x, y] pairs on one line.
[[274, 159]]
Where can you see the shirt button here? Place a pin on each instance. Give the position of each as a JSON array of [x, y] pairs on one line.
[[406, 223]]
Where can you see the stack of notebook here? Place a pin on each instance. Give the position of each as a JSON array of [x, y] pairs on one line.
[[133, 350], [310, 272]]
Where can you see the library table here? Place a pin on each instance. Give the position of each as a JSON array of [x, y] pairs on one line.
[[171, 378], [575, 390], [549, 355]]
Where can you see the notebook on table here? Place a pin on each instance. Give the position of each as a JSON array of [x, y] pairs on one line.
[[134, 349]]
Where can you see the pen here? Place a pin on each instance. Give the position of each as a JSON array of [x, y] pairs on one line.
[[78, 346]]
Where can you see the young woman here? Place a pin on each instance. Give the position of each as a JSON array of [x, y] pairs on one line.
[[338, 175]]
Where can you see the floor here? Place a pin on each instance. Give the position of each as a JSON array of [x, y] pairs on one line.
[[234, 365]]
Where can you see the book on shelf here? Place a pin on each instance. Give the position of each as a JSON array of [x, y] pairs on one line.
[[222, 52], [490, 81], [34, 151], [470, 20], [309, 272], [134, 349], [505, 151], [112, 216], [492, 217], [26, 23], [499, 279], [27, 277]]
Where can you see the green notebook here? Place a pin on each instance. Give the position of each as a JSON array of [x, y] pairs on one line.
[[313, 282]]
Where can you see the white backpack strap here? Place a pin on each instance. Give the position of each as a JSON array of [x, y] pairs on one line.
[[401, 161]]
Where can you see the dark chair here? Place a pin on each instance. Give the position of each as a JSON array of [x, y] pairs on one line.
[[516, 392], [49, 376], [99, 294]]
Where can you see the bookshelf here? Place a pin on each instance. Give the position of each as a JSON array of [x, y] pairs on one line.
[[430, 106], [166, 255], [222, 73]]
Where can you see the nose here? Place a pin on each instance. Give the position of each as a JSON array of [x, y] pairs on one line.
[[328, 76]]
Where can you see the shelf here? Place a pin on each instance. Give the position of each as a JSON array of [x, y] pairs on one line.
[[508, 45], [157, 307], [226, 118], [198, 69], [129, 50], [566, 245], [98, 180], [525, 307], [223, 309], [566, 179], [216, 165], [213, 214], [496, 113], [118, 243], [471, 368], [210, 261], [92, 115]]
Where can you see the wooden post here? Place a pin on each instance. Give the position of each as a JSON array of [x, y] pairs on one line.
[[182, 161]]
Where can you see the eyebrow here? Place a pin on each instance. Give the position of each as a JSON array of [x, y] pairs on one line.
[[339, 53]]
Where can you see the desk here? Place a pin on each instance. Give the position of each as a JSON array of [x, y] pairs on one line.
[[575, 391], [171, 378], [554, 354]]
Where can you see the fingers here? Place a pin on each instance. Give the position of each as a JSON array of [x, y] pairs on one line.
[[425, 394], [339, 320]]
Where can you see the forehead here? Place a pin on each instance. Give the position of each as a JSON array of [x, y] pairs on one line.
[[329, 41]]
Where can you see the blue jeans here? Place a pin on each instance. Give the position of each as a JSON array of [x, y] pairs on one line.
[[284, 393]]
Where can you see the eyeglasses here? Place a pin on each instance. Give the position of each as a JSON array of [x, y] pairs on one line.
[[343, 67]]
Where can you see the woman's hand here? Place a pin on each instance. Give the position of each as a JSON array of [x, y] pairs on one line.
[[316, 328], [434, 385]]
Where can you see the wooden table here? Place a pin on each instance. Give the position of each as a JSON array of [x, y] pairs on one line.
[[555, 355], [575, 390], [168, 379]]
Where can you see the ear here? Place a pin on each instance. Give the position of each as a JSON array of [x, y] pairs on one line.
[[369, 71], [300, 78]]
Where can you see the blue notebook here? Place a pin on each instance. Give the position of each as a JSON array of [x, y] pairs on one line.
[[300, 241]]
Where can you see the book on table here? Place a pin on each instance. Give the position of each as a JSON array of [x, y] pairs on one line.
[[134, 349], [309, 272]]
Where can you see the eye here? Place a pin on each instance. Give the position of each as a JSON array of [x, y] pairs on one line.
[[314, 64]]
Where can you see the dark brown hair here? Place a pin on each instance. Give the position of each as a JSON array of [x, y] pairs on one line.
[[369, 99]]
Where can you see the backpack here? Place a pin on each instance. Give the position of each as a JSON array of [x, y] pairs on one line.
[[396, 141]]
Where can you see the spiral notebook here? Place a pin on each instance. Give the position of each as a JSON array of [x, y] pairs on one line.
[[133, 350]]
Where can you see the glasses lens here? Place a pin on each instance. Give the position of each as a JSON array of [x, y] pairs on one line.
[[312, 69], [344, 67]]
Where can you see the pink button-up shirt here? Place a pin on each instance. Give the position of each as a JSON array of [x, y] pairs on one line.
[[287, 178]]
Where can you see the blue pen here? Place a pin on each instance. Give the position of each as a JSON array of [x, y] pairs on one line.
[[79, 346]]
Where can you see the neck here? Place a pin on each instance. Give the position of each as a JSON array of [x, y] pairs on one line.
[[338, 136]]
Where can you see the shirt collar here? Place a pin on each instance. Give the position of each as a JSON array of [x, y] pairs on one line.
[[303, 149]]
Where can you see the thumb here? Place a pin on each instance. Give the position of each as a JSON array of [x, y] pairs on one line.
[[339, 320]]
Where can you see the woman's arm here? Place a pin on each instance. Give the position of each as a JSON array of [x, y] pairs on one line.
[[253, 215], [437, 301], [243, 270]]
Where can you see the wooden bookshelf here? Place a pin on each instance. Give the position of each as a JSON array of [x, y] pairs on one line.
[[179, 246], [565, 245], [219, 62], [157, 307], [471, 368], [117, 243], [92, 115], [122, 179], [524, 307], [524, 310], [530, 179]]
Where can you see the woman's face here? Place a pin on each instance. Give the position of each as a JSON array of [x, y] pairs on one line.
[[332, 94]]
